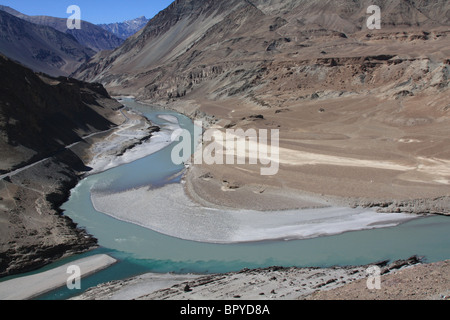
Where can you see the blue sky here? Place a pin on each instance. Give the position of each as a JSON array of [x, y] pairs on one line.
[[95, 11]]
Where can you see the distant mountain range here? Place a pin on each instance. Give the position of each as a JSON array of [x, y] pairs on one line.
[[41, 48], [45, 44], [90, 35], [126, 29]]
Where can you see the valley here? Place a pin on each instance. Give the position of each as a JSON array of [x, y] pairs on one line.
[[363, 152]]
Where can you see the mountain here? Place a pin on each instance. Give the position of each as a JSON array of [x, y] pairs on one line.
[[41, 48], [90, 35], [194, 39], [127, 28], [40, 114]]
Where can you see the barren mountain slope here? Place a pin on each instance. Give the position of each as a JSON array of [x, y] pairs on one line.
[[90, 35], [41, 48], [40, 115], [217, 32], [363, 114]]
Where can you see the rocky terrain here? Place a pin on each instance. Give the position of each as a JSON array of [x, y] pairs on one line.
[[403, 279], [41, 120], [238, 46], [41, 115], [33, 231], [421, 282], [363, 118], [126, 29]]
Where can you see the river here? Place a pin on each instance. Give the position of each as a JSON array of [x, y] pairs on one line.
[[140, 250]]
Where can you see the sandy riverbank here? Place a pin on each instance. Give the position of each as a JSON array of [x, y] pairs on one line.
[[33, 231], [174, 214], [290, 216], [28, 287]]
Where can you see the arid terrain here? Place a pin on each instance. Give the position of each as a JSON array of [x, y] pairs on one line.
[[400, 280], [363, 118], [363, 114]]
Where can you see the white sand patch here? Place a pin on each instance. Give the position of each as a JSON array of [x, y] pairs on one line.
[[136, 287], [31, 286], [106, 150], [299, 158], [169, 211], [438, 169], [169, 118], [157, 142], [409, 141]]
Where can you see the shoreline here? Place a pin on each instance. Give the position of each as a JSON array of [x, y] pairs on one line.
[[43, 187], [409, 279], [220, 224], [244, 179], [28, 287], [113, 149], [178, 217]]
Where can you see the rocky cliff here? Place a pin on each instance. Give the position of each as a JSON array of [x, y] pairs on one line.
[[235, 44]]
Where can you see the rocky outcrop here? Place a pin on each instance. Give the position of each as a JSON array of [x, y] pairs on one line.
[[439, 206], [33, 230], [273, 283]]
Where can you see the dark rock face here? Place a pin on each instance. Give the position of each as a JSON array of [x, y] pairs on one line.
[[36, 195], [41, 48], [45, 116]]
